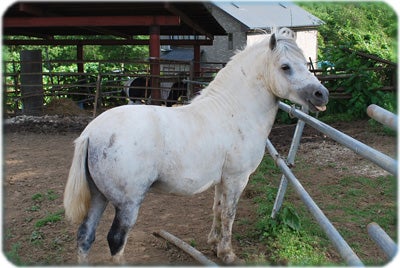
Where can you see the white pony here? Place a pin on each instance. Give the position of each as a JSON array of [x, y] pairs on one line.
[[217, 140]]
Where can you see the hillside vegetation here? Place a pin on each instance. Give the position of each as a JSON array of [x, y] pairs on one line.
[[368, 27]]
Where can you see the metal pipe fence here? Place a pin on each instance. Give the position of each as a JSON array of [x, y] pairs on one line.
[[340, 244], [382, 239], [382, 160], [382, 116]]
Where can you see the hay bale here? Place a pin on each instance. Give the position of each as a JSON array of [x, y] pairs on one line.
[[63, 106]]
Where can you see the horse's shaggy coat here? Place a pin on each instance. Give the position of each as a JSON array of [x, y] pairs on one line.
[[217, 140]]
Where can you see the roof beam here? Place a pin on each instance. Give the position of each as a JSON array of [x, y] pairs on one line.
[[111, 42], [105, 31], [187, 20], [30, 9], [90, 21], [38, 12]]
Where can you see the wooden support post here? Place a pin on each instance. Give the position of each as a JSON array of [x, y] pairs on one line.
[[196, 59], [79, 58], [154, 50], [31, 82]]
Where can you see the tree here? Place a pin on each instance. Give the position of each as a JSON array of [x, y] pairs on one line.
[[369, 27]]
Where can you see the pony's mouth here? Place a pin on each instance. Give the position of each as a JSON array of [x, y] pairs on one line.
[[316, 108]]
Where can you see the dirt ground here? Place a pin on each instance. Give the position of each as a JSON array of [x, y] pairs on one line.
[[36, 166]]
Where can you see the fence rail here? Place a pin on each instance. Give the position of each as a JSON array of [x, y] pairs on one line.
[[108, 77], [340, 244], [382, 160]]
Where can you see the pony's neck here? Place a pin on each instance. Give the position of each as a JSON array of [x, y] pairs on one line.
[[241, 84]]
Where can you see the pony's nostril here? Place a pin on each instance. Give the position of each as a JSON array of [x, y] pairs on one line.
[[318, 94]]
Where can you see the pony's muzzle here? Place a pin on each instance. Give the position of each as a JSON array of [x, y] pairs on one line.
[[321, 94], [317, 97]]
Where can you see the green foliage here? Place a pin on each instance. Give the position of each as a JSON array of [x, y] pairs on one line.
[[365, 26], [91, 52], [270, 227], [51, 195], [284, 235], [50, 218], [62, 59], [13, 254], [369, 27], [297, 248], [38, 197], [37, 236]]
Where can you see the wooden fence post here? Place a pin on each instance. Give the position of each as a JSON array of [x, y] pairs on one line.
[[98, 94]]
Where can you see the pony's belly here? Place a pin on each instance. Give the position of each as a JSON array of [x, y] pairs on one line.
[[183, 186]]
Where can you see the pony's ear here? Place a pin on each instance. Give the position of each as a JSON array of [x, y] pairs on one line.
[[272, 42]]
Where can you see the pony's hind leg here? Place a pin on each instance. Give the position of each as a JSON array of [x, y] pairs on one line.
[[87, 229], [125, 218]]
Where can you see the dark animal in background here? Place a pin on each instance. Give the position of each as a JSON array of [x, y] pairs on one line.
[[137, 90], [178, 90]]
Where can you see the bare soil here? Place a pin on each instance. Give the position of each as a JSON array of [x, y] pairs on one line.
[[36, 165]]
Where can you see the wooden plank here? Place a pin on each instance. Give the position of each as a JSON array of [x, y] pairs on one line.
[[77, 21], [197, 255], [369, 56], [111, 42]]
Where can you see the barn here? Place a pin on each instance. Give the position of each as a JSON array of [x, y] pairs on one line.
[[186, 40], [42, 24], [247, 22]]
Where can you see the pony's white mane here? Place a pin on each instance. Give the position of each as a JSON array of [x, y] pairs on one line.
[[258, 51]]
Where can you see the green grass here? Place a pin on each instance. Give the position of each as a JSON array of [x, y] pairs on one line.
[[298, 248], [13, 254], [50, 218], [38, 197], [37, 236], [295, 238], [286, 238]]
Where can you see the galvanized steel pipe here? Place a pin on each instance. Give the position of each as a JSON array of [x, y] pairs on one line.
[[382, 239], [294, 146], [340, 244], [382, 160], [382, 116]]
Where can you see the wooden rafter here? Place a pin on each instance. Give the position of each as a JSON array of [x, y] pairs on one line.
[[88, 21], [58, 42], [39, 12], [187, 20]]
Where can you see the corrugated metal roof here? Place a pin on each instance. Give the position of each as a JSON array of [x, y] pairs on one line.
[[265, 15], [178, 53]]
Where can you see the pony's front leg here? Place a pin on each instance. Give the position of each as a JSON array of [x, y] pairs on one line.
[[215, 234], [232, 189]]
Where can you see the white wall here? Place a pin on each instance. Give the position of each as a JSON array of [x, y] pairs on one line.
[[306, 40]]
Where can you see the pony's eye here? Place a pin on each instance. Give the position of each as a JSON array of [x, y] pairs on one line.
[[285, 67]]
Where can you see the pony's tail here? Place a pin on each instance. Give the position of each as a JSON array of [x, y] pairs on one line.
[[77, 193]]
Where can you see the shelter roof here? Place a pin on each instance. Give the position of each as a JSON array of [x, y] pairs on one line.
[[178, 53], [264, 15], [121, 19]]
